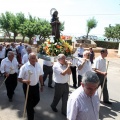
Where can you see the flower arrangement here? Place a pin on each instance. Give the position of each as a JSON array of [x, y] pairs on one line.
[[53, 49]]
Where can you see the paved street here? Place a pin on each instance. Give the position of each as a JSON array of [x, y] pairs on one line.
[[14, 110]]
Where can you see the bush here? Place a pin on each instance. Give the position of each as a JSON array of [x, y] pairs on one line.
[[107, 44]]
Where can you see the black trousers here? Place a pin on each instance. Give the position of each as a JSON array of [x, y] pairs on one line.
[[80, 56], [79, 80], [73, 69], [48, 71], [33, 99], [11, 83], [61, 91], [105, 90]]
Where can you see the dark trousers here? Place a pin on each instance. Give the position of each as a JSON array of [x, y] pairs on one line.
[[33, 99], [48, 71], [73, 69], [105, 90], [79, 80], [11, 83], [80, 56], [61, 91]]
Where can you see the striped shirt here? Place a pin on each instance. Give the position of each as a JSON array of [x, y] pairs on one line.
[[82, 107]]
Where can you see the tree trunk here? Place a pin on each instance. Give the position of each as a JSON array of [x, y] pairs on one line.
[[30, 41], [23, 39], [14, 38]]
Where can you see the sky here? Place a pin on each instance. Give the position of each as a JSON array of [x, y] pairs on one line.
[[74, 13]]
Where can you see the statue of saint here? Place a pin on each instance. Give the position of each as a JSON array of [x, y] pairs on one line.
[[55, 25]]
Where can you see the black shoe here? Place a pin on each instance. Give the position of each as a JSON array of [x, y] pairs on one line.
[[64, 114], [54, 109], [50, 86], [108, 102], [74, 86], [10, 100]]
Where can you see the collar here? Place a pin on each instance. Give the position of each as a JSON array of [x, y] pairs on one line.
[[29, 64], [61, 65], [85, 93], [101, 58]]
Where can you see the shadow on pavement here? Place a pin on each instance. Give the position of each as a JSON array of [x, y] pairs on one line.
[[109, 111]]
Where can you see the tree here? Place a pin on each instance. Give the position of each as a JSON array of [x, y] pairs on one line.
[[112, 32], [91, 23], [21, 18], [5, 22]]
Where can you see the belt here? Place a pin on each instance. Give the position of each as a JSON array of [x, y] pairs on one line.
[[12, 73]]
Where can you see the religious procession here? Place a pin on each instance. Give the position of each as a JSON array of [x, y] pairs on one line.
[[63, 67]]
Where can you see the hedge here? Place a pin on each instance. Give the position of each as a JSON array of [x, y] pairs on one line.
[[107, 44], [12, 40]]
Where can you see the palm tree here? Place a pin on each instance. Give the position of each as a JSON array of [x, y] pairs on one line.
[[91, 23]]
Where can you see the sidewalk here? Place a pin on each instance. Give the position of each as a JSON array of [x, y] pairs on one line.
[[14, 110]]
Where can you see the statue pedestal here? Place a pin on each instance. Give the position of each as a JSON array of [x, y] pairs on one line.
[[119, 50]]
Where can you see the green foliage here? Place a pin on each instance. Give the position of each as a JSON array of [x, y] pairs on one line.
[[62, 26], [29, 27], [112, 32], [5, 22], [91, 23], [107, 44]]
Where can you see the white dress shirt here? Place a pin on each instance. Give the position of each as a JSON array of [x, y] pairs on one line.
[[8, 66], [25, 58], [100, 64], [2, 53], [74, 61], [57, 70], [82, 107], [86, 67], [80, 50], [35, 71]]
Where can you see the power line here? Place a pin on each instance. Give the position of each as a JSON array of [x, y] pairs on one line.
[[93, 15]]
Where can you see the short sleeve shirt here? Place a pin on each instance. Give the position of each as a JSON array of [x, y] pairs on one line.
[[57, 70], [35, 71], [100, 64], [86, 67]]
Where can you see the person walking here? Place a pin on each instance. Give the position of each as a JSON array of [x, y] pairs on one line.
[[31, 67], [100, 68], [84, 65], [25, 56], [48, 71], [9, 67], [83, 103], [80, 51], [92, 55], [61, 70]]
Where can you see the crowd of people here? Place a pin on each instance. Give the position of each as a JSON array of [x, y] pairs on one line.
[[19, 63]]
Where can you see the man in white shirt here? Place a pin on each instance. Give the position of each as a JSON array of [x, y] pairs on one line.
[[100, 68], [84, 65], [61, 72], [25, 56], [80, 51], [73, 67], [9, 67], [2, 54], [83, 103], [31, 74]]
